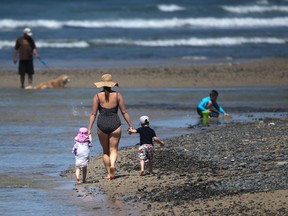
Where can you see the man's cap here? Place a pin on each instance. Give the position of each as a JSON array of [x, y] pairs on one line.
[[27, 31]]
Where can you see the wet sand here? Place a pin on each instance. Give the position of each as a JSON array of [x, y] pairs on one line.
[[252, 73]]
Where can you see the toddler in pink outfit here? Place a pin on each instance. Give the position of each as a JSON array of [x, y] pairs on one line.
[[81, 149]]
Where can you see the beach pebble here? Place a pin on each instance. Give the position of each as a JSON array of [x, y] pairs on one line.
[[281, 164]]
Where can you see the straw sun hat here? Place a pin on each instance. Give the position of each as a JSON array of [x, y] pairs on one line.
[[106, 81]]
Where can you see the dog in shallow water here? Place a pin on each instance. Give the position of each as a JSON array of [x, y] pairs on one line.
[[59, 82]]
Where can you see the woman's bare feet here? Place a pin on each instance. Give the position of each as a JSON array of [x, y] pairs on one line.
[[107, 177], [112, 173]]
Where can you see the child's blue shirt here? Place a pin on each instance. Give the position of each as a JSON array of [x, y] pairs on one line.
[[203, 104]]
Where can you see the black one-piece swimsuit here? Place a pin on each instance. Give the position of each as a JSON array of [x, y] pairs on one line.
[[108, 119]]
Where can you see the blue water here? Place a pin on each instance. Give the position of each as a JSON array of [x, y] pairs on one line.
[[93, 33]]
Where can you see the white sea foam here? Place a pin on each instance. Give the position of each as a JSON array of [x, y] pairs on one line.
[[10, 23], [170, 8], [223, 41], [63, 44], [210, 22], [49, 44], [177, 22], [6, 44], [198, 58], [255, 9]]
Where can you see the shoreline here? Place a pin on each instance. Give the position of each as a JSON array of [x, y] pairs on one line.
[[272, 72], [226, 174]]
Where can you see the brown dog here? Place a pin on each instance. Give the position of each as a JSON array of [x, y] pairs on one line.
[[59, 82]]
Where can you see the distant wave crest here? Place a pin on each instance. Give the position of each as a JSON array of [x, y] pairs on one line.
[[10, 23], [255, 9], [63, 44], [224, 41], [150, 23], [170, 8]]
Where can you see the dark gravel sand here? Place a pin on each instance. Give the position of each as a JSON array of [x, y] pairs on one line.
[[236, 169]]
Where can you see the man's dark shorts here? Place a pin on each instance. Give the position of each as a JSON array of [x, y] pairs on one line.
[[26, 66]]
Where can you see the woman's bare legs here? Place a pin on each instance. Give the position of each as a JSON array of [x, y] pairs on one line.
[[109, 144], [104, 141], [114, 141]]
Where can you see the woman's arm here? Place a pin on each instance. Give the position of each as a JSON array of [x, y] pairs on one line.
[[93, 113], [124, 112]]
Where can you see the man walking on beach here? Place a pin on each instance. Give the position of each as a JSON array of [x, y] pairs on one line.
[[25, 47]]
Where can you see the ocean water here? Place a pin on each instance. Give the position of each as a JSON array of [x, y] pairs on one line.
[[37, 129], [93, 33]]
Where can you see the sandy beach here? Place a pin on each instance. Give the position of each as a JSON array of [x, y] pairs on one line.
[[252, 73], [212, 172]]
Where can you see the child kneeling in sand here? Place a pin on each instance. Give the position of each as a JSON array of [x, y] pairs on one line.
[[81, 149], [147, 135], [209, 104]]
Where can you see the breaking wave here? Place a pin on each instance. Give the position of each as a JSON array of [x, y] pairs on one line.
[[170, 8], [200, 42], [150, 23], [255, 9]]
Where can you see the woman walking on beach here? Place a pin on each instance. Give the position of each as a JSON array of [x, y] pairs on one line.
[[108, 122]]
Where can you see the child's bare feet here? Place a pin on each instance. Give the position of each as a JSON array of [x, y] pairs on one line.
[[78, 182]]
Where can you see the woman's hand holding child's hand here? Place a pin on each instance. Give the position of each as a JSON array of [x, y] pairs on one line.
[[130, 131]]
